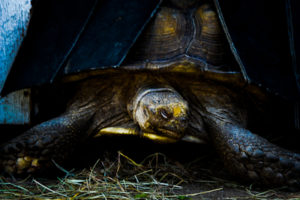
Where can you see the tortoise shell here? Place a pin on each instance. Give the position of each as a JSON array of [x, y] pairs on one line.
[[181, 38]]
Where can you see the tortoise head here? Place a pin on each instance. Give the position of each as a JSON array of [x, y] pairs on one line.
[[160, 111]]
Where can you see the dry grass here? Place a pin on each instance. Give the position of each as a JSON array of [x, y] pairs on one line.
[[155, 177]]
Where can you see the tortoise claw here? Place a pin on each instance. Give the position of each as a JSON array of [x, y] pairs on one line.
[[15, 160]]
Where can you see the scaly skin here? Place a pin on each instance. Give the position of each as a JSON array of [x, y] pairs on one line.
[[34, 150], [245, 154], [252, 157]]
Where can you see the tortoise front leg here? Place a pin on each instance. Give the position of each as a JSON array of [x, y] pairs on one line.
[[34, 150], [252, 157], [244, 153]]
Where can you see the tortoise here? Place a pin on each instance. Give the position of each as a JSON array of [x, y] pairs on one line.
[[177, 83]]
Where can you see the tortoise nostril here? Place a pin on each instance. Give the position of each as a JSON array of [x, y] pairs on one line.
[[183, 119]]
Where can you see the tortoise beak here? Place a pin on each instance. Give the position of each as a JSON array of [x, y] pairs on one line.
[[175, 129], [169, 133]]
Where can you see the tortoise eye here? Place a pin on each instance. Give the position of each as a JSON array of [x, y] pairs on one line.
[[164, 113]]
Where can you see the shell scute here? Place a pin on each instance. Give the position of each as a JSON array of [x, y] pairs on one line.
[[176, 36], [209, 42], [165, 37]]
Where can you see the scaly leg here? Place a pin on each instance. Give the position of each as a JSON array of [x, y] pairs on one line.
[[252, 157], [244, 153], [34, 150]]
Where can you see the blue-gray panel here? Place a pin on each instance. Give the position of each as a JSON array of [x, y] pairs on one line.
[[15, 108], [14, 19]]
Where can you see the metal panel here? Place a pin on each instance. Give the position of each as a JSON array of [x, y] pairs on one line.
[[14, 19], [15, 108]]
